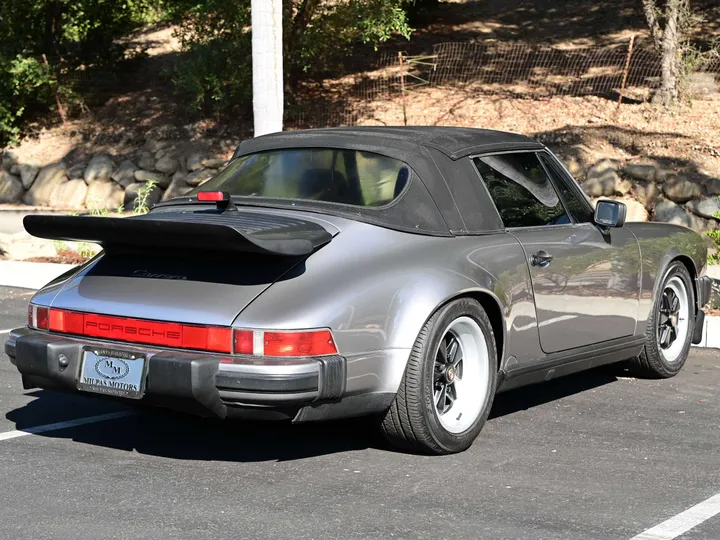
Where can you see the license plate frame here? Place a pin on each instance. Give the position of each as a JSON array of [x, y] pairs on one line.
[[113, 372]]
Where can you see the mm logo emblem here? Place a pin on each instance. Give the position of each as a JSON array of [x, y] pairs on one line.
[[111, 368]]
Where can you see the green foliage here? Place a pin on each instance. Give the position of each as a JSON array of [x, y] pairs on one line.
[[714, 258], [336, 27], [71, 34], [142, 205], [24, 83], [215, 75]]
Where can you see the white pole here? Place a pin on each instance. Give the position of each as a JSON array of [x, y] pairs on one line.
[[267, 66]]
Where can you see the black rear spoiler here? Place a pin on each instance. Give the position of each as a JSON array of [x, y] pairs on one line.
[[247, 232]]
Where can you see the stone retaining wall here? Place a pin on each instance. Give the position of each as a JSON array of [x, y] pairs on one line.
[[107, 183]]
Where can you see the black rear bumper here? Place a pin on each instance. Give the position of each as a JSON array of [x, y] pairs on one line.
[[186, 380]]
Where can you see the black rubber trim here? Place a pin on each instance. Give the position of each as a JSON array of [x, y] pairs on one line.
[[574, 360], [257, 382], [699, 327], [333, 377]]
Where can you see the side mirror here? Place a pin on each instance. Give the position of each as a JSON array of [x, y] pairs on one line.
[[610, 213]]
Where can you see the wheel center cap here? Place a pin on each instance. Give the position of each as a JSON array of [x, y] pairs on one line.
[[450, 374]]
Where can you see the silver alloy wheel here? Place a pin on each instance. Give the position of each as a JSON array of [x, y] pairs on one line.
[[461, 375], [674, 319]]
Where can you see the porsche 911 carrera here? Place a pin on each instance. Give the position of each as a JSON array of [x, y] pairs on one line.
[[409, 274]]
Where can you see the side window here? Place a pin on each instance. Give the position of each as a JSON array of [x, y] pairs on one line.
[[521, 190], [578, 208]]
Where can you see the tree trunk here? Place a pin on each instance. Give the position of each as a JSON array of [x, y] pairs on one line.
[[671, 57], [267, 66]]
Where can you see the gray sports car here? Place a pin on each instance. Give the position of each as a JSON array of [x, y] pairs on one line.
[[406, 273]]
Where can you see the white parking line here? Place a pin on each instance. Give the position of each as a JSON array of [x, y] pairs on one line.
[[6, 331], [63, 425], [683, 522]]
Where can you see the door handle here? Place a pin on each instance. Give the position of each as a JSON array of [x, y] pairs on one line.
[[541, 259]]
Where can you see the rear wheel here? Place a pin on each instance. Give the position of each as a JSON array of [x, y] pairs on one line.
[[670, 326], [449, 383]]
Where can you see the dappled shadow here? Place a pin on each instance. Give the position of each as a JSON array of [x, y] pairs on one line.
[[575, 23], [670, 151]]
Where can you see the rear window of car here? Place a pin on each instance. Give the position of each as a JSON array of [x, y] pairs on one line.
[[318, 174]]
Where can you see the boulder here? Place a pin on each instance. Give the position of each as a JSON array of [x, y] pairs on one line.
[[646, 173], [104, 195], [199, 177], [153, 145], [77, 171], [178, 187], [601, 179], [131, 195], [125, 173], [194, 161], [646, 193], [11, 188], [146, 161], [28, 174], [146, 176], [8, 160], [213, 163], [707, 208], [713, 186], [167, 165], [99, 168], [679, 189], [622, 187], [44, 186], [70, 195], [669, 212], [15, 170]]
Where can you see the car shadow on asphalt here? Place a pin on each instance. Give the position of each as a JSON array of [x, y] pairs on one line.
[[157, 432]]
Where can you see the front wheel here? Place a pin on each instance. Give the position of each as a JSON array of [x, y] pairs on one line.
[[670, 326], [449, 383]]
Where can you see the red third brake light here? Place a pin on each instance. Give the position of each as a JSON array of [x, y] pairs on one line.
[[213, 196]]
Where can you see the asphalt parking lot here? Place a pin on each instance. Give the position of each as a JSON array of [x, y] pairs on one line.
[[593, 456]]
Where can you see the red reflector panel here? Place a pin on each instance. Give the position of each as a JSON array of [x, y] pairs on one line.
[[66, 321], [212, 196], [165, 334], [315, 343], [243, 341]]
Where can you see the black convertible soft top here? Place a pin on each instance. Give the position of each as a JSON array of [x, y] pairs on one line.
[[454, 142], [445, 195]]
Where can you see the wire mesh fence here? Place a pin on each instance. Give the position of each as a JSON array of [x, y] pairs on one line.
[[516, 70]]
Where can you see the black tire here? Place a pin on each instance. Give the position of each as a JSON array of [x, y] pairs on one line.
[[412, 423], [652, 362]]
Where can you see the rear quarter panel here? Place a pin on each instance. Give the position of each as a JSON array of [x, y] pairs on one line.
[[660, 244], [375, 288]]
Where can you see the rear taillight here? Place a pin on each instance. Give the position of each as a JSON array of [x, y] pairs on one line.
[[38, 317], [220, 339], [284, 342]]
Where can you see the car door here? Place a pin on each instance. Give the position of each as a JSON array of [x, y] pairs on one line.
[[585, 279]]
